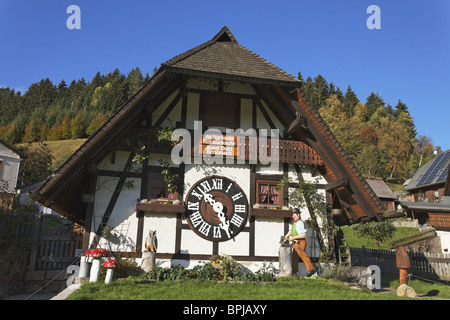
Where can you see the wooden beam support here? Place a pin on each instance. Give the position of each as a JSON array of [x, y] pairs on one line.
[[341, 182], [296, 124]]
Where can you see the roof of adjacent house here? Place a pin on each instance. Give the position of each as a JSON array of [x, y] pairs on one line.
[[433, 172], [381, 189], [224, 56], [10, 151], [443, 206]]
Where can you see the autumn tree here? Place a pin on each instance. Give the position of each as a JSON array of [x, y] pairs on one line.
[[36, 163]]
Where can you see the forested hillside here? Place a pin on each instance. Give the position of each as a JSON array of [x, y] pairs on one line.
[[382, 140], [56, 112]]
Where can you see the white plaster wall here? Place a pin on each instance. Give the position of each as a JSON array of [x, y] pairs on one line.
[[445, 240], [238, 87], [246, 113], [192, 110], [123, 218], [239, 245], [238, 173], [191, 243], [165, 226], [10, 167], [267, 235]]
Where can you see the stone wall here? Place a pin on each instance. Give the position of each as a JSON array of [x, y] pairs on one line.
[[50, 281]]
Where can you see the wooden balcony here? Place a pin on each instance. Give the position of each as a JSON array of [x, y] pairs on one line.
[[440, 220]]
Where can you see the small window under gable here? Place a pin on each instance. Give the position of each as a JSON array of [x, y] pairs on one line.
[[219, 110]]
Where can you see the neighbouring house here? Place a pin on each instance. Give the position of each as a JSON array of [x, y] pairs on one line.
[[215, 192], [430, 188], [428, 184], [25, 193], [386, 196], [9, 172]]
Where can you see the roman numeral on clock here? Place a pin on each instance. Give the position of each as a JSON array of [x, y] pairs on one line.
[[237, 196], [237, 220]]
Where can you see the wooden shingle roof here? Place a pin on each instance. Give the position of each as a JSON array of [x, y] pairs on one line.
[[224, 57]]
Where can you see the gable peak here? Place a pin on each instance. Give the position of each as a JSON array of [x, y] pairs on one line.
[[224, 35]]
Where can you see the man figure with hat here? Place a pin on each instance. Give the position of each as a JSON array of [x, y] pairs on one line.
[[297, 234]]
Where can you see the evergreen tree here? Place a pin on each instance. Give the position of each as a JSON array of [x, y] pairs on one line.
[[300, 77], [308, 88], [135, 82], [373, 102], [350, 100], [321, 92], [402, 116]]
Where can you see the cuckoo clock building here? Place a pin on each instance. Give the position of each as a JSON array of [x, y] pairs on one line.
[[243, 126]]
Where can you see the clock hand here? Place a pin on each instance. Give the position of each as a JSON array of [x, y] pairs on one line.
[[218, 208]]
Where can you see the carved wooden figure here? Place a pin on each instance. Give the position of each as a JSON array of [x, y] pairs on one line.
[[151, 242], [403, 264]]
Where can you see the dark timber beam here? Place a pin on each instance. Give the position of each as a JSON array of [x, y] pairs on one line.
[[297, 123], [341, 182]]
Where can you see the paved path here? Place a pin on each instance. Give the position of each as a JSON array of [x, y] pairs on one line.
[[45, 296]]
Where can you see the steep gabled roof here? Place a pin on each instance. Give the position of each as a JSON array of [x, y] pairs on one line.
[[381, 189], [224, 57]]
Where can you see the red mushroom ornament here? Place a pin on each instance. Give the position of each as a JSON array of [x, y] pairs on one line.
[[110, 265], [97, 254]]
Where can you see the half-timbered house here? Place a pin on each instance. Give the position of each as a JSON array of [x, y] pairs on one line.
[[233, 207]]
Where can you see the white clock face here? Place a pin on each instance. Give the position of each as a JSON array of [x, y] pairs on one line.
[[216, 208]]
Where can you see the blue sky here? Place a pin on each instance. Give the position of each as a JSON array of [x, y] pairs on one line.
[[407, 59]]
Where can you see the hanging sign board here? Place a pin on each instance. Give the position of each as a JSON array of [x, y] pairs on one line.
[[213, 144]]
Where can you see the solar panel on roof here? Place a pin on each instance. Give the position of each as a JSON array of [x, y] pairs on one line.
[[434, 169], [443, 175]]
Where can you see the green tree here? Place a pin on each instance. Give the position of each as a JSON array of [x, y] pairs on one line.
[[373, 103], [402, 116], [36, 163], [135, 81], [350, 101], [378, 231], [320, 91]]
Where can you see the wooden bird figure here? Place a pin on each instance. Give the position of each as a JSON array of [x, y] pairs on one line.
[[151, 242]]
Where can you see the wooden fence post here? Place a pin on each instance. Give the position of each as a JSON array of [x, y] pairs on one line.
[[35, 241]]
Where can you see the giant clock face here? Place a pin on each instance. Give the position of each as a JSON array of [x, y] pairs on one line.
[[217, 208]]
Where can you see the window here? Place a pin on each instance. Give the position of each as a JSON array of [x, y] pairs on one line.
[[268, 194], [219, 110]]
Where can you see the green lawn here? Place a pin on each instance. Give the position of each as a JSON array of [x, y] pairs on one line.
[[357, 242], [289, 288]]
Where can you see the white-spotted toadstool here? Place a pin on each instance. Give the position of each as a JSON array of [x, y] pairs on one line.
[[97, 254], [110, 265]]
